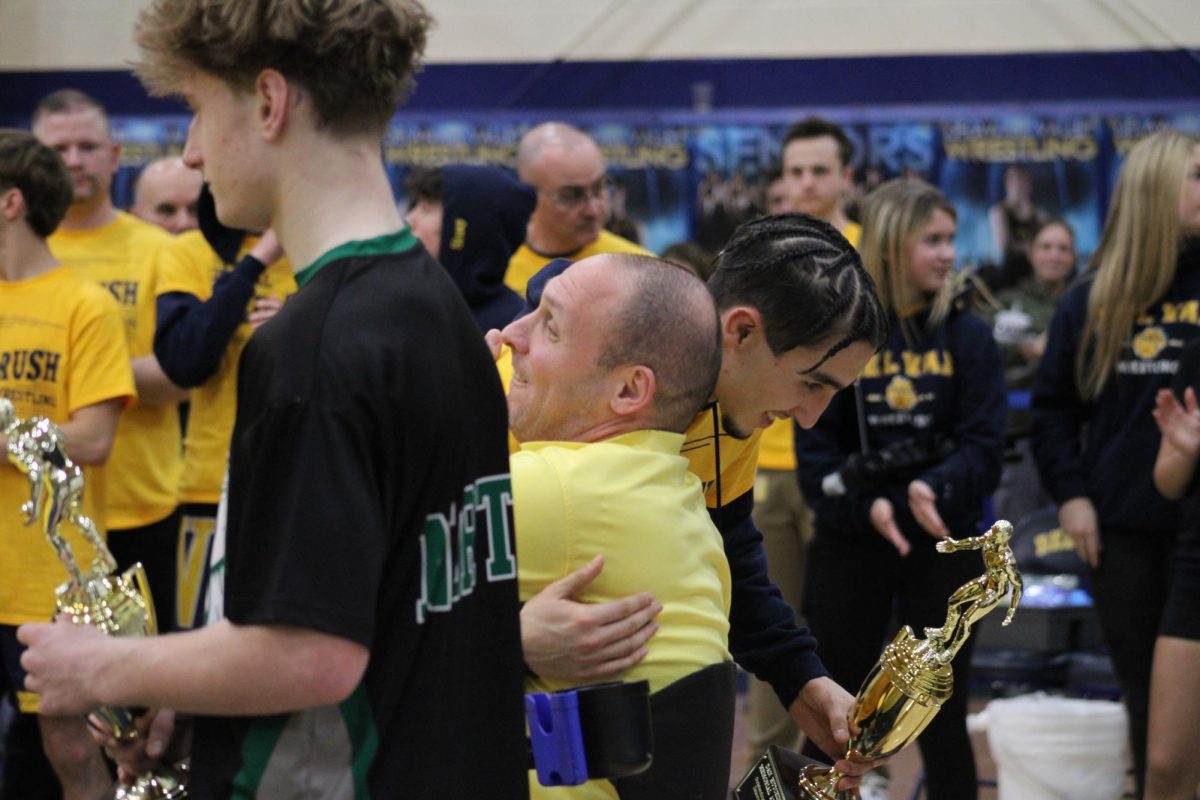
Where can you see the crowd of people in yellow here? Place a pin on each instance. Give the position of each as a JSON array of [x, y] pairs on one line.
[[428, 466]]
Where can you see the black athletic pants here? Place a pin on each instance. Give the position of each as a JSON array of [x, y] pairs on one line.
[[853, 586], [1130, 591]]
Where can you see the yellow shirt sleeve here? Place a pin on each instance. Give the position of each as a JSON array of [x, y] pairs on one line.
[[540, 517], [187, 265], [100, 367]]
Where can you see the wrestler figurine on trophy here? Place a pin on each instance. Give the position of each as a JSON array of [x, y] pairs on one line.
[[913, 678], [906, 687], [117, 605]]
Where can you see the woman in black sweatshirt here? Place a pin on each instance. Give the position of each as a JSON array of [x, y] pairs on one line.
[[1114, 342], [934, 399]]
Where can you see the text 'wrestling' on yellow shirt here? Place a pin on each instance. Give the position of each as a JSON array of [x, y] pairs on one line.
[[701, 443], [62, 348], [190, 265], [778, 450], [143, 470]]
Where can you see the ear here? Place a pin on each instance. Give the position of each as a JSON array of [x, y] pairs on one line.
[[274, 96], [12, 204], [636, 392], [116, 157], [740, 325]]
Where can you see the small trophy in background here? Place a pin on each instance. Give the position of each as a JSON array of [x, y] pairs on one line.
[[905, 688], [118, 605]]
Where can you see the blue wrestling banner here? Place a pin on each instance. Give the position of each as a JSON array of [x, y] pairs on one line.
[[697, 176]]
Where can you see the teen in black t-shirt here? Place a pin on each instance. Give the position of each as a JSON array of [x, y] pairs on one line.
[[369, 498], [371, 646]]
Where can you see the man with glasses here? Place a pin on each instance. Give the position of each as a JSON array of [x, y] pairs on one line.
[[568, 171]]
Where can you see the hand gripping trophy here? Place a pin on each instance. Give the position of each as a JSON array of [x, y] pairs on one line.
[[118, 605], [913, 678]]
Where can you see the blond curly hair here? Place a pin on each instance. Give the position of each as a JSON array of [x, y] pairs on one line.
[[355, 59]]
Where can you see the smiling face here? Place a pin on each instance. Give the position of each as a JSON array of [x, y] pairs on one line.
[[757, 387], [558, 391], [930, 256], [81, 137]]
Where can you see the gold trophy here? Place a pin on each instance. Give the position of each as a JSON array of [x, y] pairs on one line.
[[118, 605], [913, 678]]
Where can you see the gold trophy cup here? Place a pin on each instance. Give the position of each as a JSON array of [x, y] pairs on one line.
[[118, 605], [913, 678]]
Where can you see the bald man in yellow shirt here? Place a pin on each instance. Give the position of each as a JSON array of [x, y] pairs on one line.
[[606, 378], [574, 191]]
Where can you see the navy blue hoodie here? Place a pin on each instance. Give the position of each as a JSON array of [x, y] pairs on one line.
[[946, 386], [1104, 449], [484, 214]]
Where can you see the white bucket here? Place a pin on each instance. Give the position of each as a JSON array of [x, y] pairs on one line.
[[1057, 748]]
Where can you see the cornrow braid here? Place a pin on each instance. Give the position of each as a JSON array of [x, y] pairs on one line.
[[806, 281]]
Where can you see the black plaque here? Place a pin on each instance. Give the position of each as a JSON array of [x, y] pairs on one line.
[[776, 776]]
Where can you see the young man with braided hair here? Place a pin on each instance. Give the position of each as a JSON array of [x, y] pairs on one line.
[[816, 174], [799, 319], [370, 642]]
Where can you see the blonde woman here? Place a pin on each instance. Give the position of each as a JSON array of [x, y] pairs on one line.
[[933, 399], [1114, 343]]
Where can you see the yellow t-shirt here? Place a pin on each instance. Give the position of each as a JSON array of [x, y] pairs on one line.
[[777, 450], [738, 458], [190, 265], [143, 470], [62, 348], [853, 233], [525, 263], [632, 499]]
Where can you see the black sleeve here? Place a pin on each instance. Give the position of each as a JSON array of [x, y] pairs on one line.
[[307, 540], [1059, 413], [763, 635], [972, 471], [1189, 375], [821, 451], [191, 336]]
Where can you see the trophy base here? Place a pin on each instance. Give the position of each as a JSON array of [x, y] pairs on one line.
[[775, 776], [165, 784], [815, 784]]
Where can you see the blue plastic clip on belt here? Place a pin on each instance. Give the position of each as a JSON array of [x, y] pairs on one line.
[[556, 738], [599, 731]]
